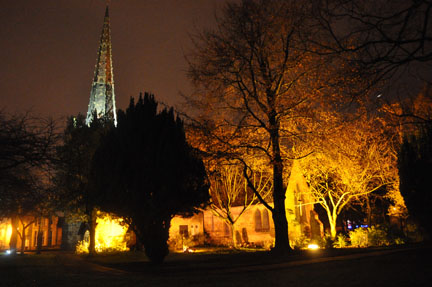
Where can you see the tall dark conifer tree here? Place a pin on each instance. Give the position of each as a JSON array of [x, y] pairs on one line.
[[415, 170], [147, 173]]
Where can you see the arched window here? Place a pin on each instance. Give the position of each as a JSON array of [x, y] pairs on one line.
[[265, 220], [184, 230], [86, 236], [258, 221]]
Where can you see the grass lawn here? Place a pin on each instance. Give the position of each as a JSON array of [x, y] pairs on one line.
[[402, 266]]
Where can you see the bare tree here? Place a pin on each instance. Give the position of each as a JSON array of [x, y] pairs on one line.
[[229, 189], [254, 81], [27, 147], [385, 34], [26, 140], [17, 201]]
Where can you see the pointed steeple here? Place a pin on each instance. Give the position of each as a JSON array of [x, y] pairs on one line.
[[102, 96]]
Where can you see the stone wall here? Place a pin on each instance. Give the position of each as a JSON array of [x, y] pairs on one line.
[[51, 233]]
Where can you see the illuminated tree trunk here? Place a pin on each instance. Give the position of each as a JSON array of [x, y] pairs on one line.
[[14, 235], [92, 226], [333, 228], [332, 216]]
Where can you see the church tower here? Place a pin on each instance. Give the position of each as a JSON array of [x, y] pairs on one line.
[[102, 96]]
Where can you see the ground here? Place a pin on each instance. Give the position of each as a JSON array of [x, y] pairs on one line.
[[400, 266]]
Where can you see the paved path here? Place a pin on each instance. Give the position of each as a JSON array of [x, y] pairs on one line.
[[314, 260], [73, 261], [380, 267]]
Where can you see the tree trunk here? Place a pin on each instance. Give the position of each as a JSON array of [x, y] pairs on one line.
[[49, 241], [92, 226], [23, 238], [282, 245], [332, 217], [155, 237], [233, 233], [368, 211], [332, 222], [14, 235], [138, 244], [39, 237]]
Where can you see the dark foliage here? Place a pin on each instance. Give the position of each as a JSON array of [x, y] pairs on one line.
[[148, 173], [27, 147], [415, 170], [74, 160], [73, 172]]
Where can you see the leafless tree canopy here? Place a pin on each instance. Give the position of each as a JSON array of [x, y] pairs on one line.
[[258, 85], [26, 141], [387, 33], [271, 74], [27, 146]]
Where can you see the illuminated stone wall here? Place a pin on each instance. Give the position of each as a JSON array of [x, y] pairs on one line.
[[51, 233], [255, 227], [72, 232], [213, 230], [5, 233], [302, 219]]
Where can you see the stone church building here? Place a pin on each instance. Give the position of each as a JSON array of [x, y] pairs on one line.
[[50, 229], [255, 226]]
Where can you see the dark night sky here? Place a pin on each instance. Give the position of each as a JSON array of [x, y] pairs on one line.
[[48, 50]]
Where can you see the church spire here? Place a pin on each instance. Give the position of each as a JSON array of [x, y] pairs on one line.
[[102, 97]]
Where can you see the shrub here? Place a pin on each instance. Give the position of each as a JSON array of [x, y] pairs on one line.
[[359, 237], [399, 241], [378, 236], [327, 242], [301, 242], [82, 247], [269, 244], [180, 242], [341, 241], [174, 243], [413, 233]]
